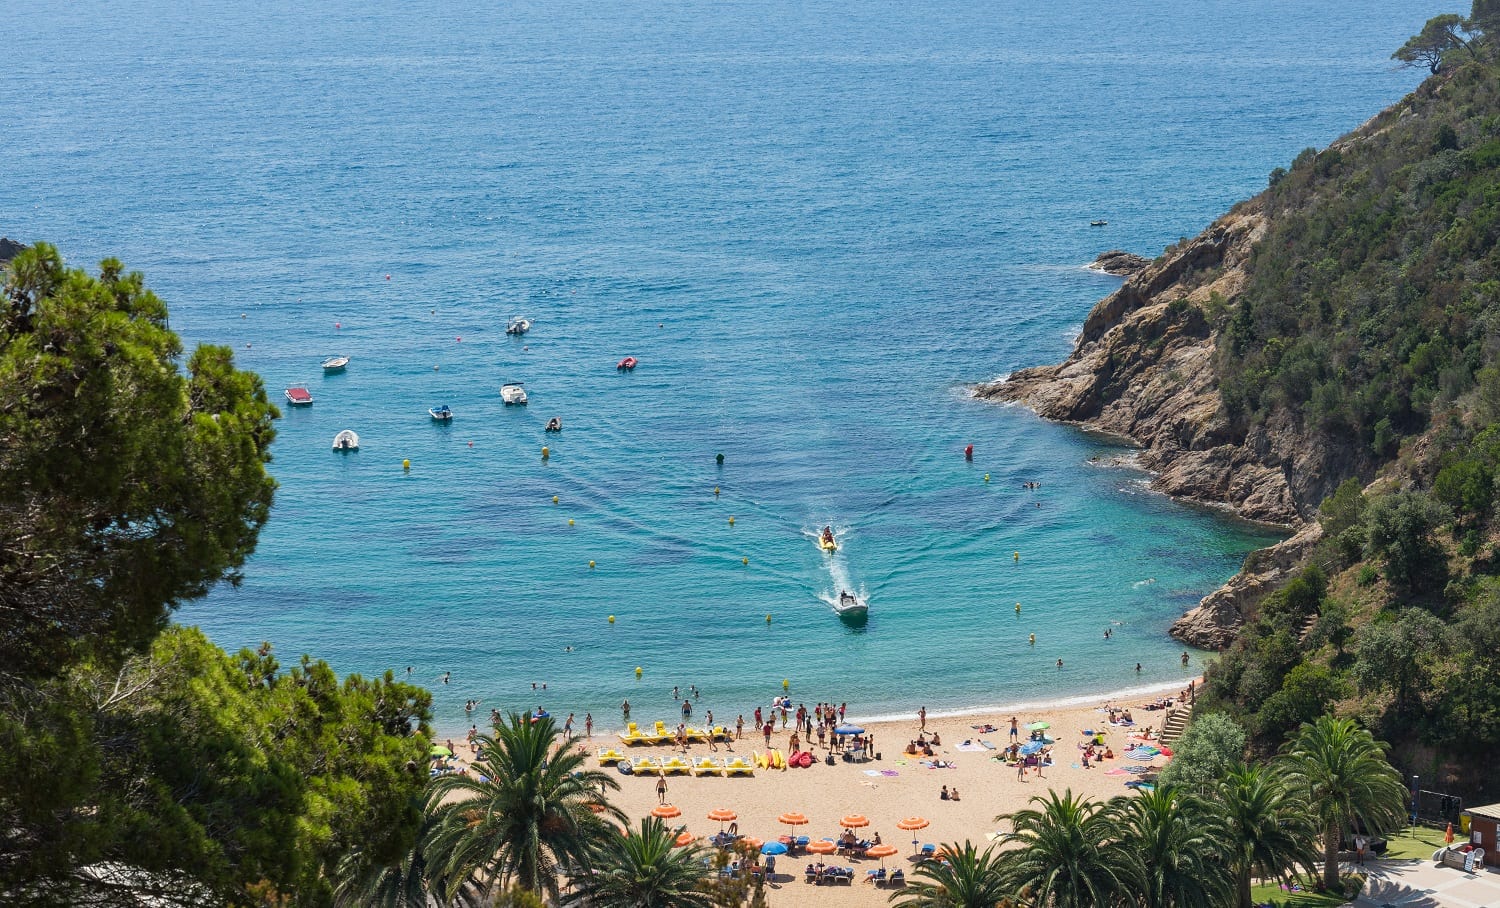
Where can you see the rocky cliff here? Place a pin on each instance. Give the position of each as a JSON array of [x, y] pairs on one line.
[[1143, 368]]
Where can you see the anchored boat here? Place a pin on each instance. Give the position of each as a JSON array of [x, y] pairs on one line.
[[518, 326], [335, 364], [513, 393], [298, 396], [346, 441], [441, 414]]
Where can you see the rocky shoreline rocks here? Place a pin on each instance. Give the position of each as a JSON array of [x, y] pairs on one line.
[[1120, 263], [1143, 368]]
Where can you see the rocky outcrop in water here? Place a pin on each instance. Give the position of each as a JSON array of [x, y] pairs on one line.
[[1216, 620], [1143, 368], [1120, 263], [9, 249]]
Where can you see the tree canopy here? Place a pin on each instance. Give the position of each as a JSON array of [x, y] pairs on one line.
[[127, 484]]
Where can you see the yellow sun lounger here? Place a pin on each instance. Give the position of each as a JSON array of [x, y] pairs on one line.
[[609, 756], [707, 766], [663, 734], [739, 766], [633, 735], [676, 765], [645, 766], [695, 734]]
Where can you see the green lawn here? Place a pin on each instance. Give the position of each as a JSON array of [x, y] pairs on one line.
[[1418, 842], [1273, 894]]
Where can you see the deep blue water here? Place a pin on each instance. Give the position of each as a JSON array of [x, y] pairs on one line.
[[813, 223]]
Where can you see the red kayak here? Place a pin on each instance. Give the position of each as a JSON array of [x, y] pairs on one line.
[[626, 364]]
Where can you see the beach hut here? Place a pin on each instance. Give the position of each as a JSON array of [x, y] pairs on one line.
[[1484, 827]]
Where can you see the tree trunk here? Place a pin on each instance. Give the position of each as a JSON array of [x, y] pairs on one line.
[[1331, 857], [1244, 889]]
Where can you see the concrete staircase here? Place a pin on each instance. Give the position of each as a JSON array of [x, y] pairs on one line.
[[1176, 724]]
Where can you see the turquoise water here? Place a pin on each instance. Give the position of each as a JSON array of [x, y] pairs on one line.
[[814, 224]]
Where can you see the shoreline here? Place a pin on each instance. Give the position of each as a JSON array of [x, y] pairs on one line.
[[1067, 703]]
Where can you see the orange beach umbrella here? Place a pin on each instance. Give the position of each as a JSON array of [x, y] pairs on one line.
[[792, 819], [753, 842], [822, 846], [854, 821], [912, 823], [723, 815], [881, 851], [665, 812], [684, 839]]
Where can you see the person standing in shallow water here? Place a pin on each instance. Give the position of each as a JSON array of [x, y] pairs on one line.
[[625, 708]]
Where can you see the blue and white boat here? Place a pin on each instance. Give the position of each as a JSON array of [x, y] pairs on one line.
[[441, 414]]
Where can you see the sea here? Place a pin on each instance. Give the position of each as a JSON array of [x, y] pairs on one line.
[[816, 225]]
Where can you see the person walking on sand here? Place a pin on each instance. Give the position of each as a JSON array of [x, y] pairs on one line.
[[568, 727], [588, 725], [767, 729], [661, 790], [739, 727], [922, 719]]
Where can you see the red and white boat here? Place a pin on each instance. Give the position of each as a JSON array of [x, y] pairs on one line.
[[298, 396], [626, 364]]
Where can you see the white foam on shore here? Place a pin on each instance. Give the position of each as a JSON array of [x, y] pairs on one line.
[[1111, 697]]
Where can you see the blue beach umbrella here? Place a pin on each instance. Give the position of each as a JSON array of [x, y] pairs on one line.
[[773, 848], [848, 730], [1030, 747]]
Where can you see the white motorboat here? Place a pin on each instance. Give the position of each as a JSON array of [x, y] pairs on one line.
[[513, 393], [298, 396], [850, 605], [518, 325], [335, 363], [441, 414], [346, 441]]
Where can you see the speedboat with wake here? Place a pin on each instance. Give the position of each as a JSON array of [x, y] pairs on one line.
[[851, 606], [826, 542]]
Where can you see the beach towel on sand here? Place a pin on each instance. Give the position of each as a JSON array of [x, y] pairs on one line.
[[970, 747]]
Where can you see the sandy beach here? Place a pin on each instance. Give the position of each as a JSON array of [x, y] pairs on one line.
[[888, 789]]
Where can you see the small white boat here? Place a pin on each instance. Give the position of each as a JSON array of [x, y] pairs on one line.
[[554, 424], [441, 414], [518, 325], [851, 605], [335, 363], [513, 393], [346, 441]]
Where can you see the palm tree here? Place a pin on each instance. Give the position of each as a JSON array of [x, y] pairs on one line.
[[361, 883], [645, 870], [967, 879], [1072, 854], [1180, 845], [528, 810], [1343, 771], [1268, 827]]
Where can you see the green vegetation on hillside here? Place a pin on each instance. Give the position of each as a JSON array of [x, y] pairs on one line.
[[1370, 324]]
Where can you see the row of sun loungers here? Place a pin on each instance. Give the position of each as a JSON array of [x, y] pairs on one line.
[[664, 735], [704, 766]]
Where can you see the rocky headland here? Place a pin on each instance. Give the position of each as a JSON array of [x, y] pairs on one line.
[[1143, 368]]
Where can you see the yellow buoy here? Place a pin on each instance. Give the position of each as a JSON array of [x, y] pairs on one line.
[[986, 477], [1016, 555], [554, 499], [768, 619], [570, 523], [716, 491], [744, 561], [786, 684], [611, 619], [406, 465], [545, 453], [731, 521], [591, 564], [637, 671], [1018, 608]]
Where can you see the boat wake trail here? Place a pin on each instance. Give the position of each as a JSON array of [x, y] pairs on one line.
[[838, 575]]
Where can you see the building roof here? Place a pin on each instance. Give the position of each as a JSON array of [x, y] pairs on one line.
[[1491, 811]]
